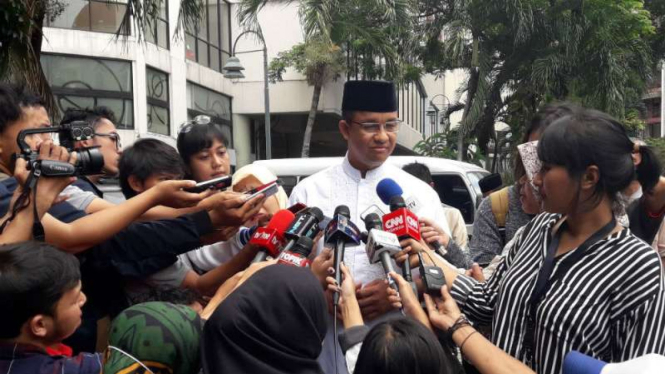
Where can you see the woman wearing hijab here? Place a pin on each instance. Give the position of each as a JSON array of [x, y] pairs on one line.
[[273, 323], [154, 338]]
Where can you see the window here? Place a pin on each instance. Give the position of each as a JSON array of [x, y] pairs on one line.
[[158, 29], [82, 82], [157, 87], [452, 191], [209, 44], [201, 100], [91, 15]]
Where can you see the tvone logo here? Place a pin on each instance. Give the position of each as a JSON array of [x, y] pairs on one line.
[[394, 222], [262, 235]]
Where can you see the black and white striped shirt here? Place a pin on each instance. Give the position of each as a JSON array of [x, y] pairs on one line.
[[610, 304]]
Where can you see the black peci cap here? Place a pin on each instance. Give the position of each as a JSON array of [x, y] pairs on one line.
[[369, 96]]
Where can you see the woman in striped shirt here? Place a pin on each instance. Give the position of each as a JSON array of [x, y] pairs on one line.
[[574, 279]]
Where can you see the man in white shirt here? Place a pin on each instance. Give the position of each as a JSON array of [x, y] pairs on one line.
[[369, 125]]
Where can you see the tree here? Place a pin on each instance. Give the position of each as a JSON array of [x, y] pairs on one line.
[[21, 23], [374, 33], [319, 62], [595, 52]]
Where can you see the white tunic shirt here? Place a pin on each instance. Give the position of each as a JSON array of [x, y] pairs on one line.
[[343, 185]]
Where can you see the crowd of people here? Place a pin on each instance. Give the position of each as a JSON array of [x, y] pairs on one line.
[[559, 273]]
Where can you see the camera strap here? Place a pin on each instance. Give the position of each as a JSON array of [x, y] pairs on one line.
[[31, 186]]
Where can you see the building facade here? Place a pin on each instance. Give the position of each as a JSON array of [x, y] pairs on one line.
[[156, 84]]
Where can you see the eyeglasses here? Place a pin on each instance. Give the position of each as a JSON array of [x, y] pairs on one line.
[[198, 120], [115, 137], [374, 128]]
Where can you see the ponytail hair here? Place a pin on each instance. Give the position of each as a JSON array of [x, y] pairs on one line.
[[649, 169]]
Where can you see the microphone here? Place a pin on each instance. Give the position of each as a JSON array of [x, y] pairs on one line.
[[340, 232], [270, 239], [387, 189], [297, 256], [305, 224], [381, 246]]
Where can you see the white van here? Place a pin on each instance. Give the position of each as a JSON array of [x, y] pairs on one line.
[[455, 181]]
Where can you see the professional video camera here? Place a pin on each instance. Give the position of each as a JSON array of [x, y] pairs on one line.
[[90, 160]]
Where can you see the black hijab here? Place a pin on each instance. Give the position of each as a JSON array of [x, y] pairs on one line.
[[273, 323]]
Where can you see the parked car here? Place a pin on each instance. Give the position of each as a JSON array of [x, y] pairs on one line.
[[456, 182]]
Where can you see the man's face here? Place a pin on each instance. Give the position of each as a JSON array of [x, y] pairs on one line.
[[369, 149], [108, 145], [32, 117], [68, 314]]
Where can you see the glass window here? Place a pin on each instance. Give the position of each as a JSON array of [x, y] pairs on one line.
[[208, 43], [452, 191], [157, 30], [190, 47], [81, 82], [157, 87], [91, 15], [201, 100]]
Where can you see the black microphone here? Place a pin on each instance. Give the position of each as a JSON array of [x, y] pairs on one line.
[[341, 231], [381, 246], [306, 224]]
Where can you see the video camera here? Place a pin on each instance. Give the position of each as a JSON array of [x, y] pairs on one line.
[[90, 160]]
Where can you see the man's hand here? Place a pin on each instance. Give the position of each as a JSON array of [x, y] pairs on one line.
[[410, 249], [233, 209], [322, 264], [431, 232], [443, 312], [48, 188], [376, 299], [171, 194]]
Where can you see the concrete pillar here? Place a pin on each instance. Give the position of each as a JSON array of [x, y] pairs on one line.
[[242, 139]]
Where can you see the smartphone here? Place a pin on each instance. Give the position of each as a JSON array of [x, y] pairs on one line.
[[296, 208], [267, 189], [212, 184]]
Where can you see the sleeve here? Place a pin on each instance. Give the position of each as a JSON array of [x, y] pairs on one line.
[[486, 241], [350, 342], [84, 363], [78, 198], [477, 300], [144, 248], [638, 313], [457, 256], [172, 276], [211, 256]]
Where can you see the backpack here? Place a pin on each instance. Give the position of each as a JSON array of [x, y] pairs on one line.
[[499, 202]]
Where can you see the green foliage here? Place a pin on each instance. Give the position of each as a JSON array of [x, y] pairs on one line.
[[444, 145], [317, 60], [595, 52]]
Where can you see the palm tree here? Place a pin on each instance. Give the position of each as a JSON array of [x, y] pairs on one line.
[[377, 31]]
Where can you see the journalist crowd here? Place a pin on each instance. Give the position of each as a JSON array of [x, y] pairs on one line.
[[361, 269]]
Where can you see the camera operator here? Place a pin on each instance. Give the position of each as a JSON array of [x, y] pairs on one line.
[[18, 227], [115, 251]]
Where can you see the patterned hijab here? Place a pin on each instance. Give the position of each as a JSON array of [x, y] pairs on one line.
[[154, 337]]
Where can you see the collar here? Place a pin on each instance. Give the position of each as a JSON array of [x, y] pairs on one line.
[[8, 349], [374, 174]]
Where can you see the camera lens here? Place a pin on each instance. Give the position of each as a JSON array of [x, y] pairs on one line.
[[90, 161], [76, 133]]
